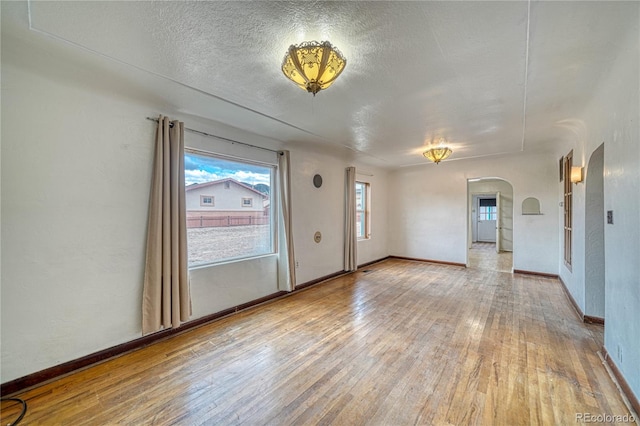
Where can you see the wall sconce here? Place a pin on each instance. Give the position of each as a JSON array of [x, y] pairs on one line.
[[576, 174]]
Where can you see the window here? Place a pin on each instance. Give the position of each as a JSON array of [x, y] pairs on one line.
[[487, 213], [206, 200], [488, 209], [363, 226], [568, 207], [229, 230]]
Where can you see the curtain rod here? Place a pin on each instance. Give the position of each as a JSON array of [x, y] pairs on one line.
[[231, 141]]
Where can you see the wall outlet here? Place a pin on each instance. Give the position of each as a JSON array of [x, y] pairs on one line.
[[297, 264]]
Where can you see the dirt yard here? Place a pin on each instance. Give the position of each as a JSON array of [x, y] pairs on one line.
[[207, 245]]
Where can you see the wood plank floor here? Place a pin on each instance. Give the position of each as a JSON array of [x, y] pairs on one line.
[[400, 342], [484, 256]]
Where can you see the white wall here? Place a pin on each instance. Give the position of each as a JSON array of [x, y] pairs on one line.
[[76, 165], [428, 209], [322, 209], [594, 235], [215, 288], [612, 117], [75, 176]]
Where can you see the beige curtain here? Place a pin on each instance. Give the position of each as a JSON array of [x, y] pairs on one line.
[[350, 238], [166, 301], [286, 259]]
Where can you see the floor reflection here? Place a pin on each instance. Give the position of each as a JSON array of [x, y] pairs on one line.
[[484, 256]]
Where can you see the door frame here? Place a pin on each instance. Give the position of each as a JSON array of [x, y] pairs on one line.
[[470, 208], [475, 220], [498, 223]]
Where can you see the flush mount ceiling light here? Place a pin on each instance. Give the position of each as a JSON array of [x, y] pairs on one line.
[[439, 153], [313, 66]]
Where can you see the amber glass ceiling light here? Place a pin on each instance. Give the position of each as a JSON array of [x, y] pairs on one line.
[[437, 154], [313, 66]]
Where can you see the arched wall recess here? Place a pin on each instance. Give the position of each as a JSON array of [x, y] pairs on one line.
[[531, 205]]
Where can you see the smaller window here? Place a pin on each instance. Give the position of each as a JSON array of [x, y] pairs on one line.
[[206, 200], [488, 213], [488, 210], [363, 225], [247, 202], [227, 185]]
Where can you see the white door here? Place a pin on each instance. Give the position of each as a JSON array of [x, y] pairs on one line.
[[498, 223], [486, 219]]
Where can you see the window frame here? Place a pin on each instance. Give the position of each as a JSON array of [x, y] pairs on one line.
[[273, 197], [203, 204], [488, 213], [247, 199], [568, 208], [366, 209]]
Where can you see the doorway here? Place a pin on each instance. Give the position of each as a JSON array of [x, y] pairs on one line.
[[490, 224], [484, 219], [594, 237]]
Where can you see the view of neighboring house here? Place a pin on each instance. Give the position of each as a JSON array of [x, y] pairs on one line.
[[225, 202]]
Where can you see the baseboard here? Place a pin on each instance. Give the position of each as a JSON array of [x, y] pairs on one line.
[[575, 305], [624, 386], [336, 274], [373, 261], [539, 274], [440, 262], [319, 280], [58, 371], [593, 320], [584, 318]]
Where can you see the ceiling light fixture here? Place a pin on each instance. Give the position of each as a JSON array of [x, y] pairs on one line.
[[313, 66], [439, 153]]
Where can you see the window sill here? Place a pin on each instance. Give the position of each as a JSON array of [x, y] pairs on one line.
[[230, 261]]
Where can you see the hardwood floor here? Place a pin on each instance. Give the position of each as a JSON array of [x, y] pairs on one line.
[[484, 256], [398, 343]]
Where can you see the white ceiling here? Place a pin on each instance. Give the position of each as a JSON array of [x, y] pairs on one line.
[[490, 77]]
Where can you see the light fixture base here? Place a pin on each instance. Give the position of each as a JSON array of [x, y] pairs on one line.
[[313, 87], [437, 154]]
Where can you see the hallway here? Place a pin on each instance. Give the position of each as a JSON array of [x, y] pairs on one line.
[[484, 256]]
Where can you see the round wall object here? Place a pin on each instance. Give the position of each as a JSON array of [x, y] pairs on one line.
[[317, 237], [317, 181]]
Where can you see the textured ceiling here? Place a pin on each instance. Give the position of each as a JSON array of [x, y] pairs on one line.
[[490, 77]]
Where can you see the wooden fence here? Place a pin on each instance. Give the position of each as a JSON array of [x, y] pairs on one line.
[[218, 221]]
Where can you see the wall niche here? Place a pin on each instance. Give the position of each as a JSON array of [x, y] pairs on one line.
[[530, 205]]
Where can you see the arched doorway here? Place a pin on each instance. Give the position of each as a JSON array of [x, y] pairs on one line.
[[594, 236], [490, 224]]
